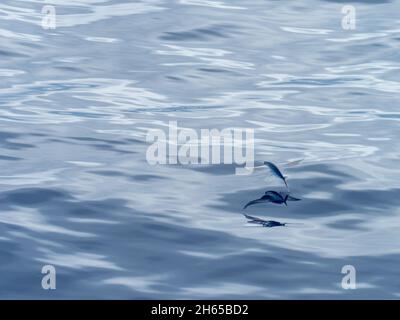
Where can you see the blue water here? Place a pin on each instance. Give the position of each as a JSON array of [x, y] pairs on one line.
[[76, 191]]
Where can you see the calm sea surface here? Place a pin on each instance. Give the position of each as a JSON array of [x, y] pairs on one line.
[[76, 191]]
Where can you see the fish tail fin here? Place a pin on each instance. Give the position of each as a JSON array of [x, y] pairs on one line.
[[286, 184]]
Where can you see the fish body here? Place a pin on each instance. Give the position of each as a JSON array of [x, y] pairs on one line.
[[269, 196], [276, 172], [273, 197]]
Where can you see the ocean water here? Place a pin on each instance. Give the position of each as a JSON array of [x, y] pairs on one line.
[[76, 190]]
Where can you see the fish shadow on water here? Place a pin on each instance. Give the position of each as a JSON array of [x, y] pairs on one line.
[[264, 223]]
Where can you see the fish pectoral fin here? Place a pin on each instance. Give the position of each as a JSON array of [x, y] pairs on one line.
[[252, 202]]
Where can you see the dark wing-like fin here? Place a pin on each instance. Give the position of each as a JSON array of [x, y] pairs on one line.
[[253, 202]]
